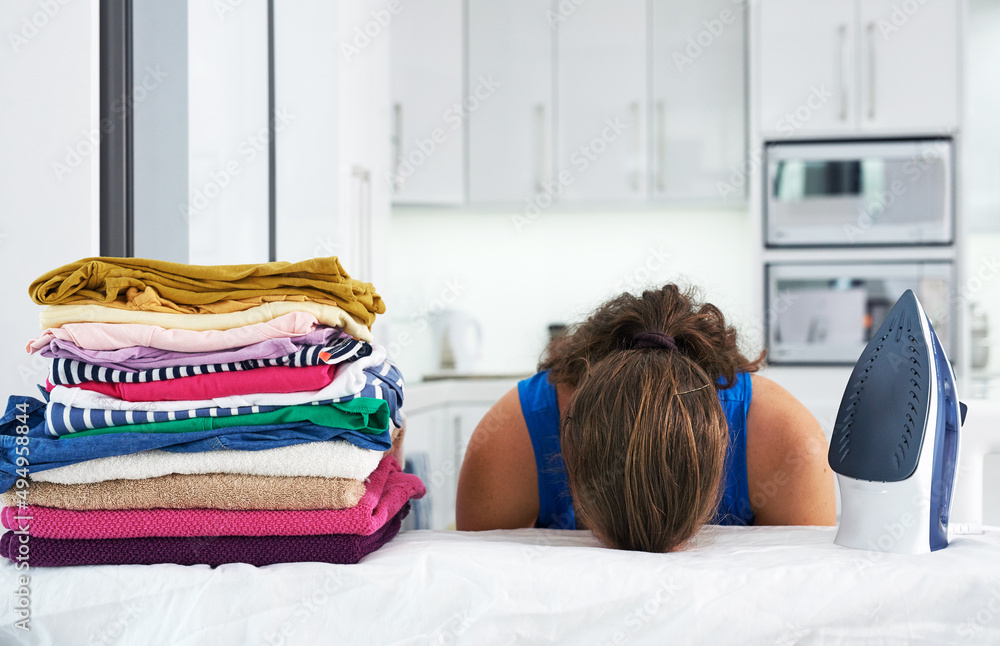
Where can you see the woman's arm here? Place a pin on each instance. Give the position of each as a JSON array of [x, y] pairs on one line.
[[498, 485], [791, 482]]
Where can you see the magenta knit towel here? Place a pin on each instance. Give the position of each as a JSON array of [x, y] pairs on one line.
[[193, 550], [386, 492]]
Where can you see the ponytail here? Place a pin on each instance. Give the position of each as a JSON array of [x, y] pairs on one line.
[[698, 330]]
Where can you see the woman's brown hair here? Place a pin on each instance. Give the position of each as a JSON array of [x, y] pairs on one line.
[[644, 436]]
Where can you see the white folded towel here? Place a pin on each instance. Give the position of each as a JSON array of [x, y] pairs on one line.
[[330, 459]]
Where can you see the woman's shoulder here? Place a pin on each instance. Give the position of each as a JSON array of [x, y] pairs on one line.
[[777, 418], [498, 485], [790, 480]]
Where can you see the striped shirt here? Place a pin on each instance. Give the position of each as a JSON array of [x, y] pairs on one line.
[[70, 372], [381, 382]]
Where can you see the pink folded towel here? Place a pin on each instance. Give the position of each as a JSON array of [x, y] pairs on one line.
[[388, 489], [272, 379]]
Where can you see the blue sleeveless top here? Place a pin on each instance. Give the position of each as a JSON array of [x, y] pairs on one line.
[[555, 510]]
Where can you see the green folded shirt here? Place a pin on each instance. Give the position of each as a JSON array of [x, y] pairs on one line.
[[362, 414]]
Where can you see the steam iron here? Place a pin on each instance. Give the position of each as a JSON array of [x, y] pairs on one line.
[[895, 442]]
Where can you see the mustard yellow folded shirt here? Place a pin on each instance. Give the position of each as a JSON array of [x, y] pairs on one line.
[[150, 301], [107, 280]]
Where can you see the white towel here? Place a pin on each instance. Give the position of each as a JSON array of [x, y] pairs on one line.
[[349, 380], [332, 459]]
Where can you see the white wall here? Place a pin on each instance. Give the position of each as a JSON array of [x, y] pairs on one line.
[[227, 130], [160, 129], [980, 161], [980, 168], [982, 287], [555, 269], [49, 166]]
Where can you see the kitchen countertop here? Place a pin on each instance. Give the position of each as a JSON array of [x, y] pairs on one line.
[[447, 374], [442, 390]]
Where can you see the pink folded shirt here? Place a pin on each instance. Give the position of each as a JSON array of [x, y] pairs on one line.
[[112, 336], [273, 379], [386, 492]]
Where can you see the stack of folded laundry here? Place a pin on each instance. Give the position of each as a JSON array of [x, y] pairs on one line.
[[204, 414]]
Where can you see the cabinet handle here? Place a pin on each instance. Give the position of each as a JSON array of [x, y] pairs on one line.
[[636, 108], [843, 71], [397, 179], [871, 70], [456, 430], [543, 152], [661, 146], [363, 221]]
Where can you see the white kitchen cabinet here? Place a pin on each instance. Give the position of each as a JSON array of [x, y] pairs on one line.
[[510, 87], [568, 101], [441, 434], [327, 172], [807, 67], [858, 67], [698, 97], [430, 444], [428, 103], [602, 100], [909, 65]]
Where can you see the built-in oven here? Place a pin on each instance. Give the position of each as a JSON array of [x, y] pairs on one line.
[[826, 313], [851, 193]]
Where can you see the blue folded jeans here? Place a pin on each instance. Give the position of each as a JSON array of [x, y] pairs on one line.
[[39, 450]]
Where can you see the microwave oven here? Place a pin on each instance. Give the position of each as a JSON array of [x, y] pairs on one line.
[[825, 313], [854, 193]]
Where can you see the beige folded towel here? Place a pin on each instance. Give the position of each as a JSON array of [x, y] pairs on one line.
[[202, 491]]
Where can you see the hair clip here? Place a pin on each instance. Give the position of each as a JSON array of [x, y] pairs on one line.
[[694, 389]]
